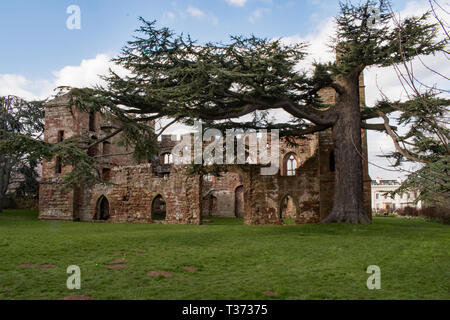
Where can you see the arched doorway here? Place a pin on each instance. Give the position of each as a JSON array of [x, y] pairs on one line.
[[159, 208], [209, 205], [288, 210], [102, 211], [212, 205], [239, 202]]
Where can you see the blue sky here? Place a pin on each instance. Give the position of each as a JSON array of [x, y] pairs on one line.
[[36, 41], [40, 53]]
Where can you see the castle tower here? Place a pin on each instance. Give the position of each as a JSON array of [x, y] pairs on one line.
[[62, 122]]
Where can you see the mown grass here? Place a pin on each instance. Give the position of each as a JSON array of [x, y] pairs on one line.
[[234, 261]]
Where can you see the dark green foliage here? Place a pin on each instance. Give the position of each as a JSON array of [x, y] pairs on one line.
[[360, 44], [435, 214], [29, 186], [18, 117]]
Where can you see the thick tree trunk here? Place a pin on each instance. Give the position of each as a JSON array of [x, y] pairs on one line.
[[348, 205]]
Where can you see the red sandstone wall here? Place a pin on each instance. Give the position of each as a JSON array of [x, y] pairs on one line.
[[130, 199]]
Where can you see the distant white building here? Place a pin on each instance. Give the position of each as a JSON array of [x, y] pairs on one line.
[[382, 202]]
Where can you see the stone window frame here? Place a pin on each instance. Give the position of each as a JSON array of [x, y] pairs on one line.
[[93, 151], [106, 174], [239, 187], [167, 158], [58, 159], [92, 121], [58, 165], [287, 158], [60, 136], [208, 177], [332, 161], [212, 203], [106, 148]]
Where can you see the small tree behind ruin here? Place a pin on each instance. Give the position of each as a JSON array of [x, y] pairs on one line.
[[427, 140]]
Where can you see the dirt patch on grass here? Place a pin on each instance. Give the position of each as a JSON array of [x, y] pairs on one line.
[[77, 298], [190, 268], [158, 273], [270, 293], [121, 260], [47, 266], [27, 265], [115, 266]]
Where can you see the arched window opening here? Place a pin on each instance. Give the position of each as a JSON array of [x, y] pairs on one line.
[[58, 165], [159, 208], [106, 174], [288, 210], [208, 177], [92, 151], [212, 205], [332, 162], [239, 202], [102, 213], [167, 158], [60, 136], [291, 165], [107, 151], [91, 121], [106, 148]]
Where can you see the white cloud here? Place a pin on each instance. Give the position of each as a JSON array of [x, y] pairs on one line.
[[169, 16], [195, 12], [12, 84], [237, 3], [318, 49], [201, 15], [86, 74], [258, 14]]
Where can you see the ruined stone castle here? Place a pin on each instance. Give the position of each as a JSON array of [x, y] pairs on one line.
[[162, 192]]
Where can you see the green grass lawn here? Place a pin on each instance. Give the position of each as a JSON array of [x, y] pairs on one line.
[[234, 261]]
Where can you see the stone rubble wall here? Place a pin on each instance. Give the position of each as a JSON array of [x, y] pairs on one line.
[[135, 188]]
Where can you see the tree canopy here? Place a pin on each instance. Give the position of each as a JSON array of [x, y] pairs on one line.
[[17, 117]]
